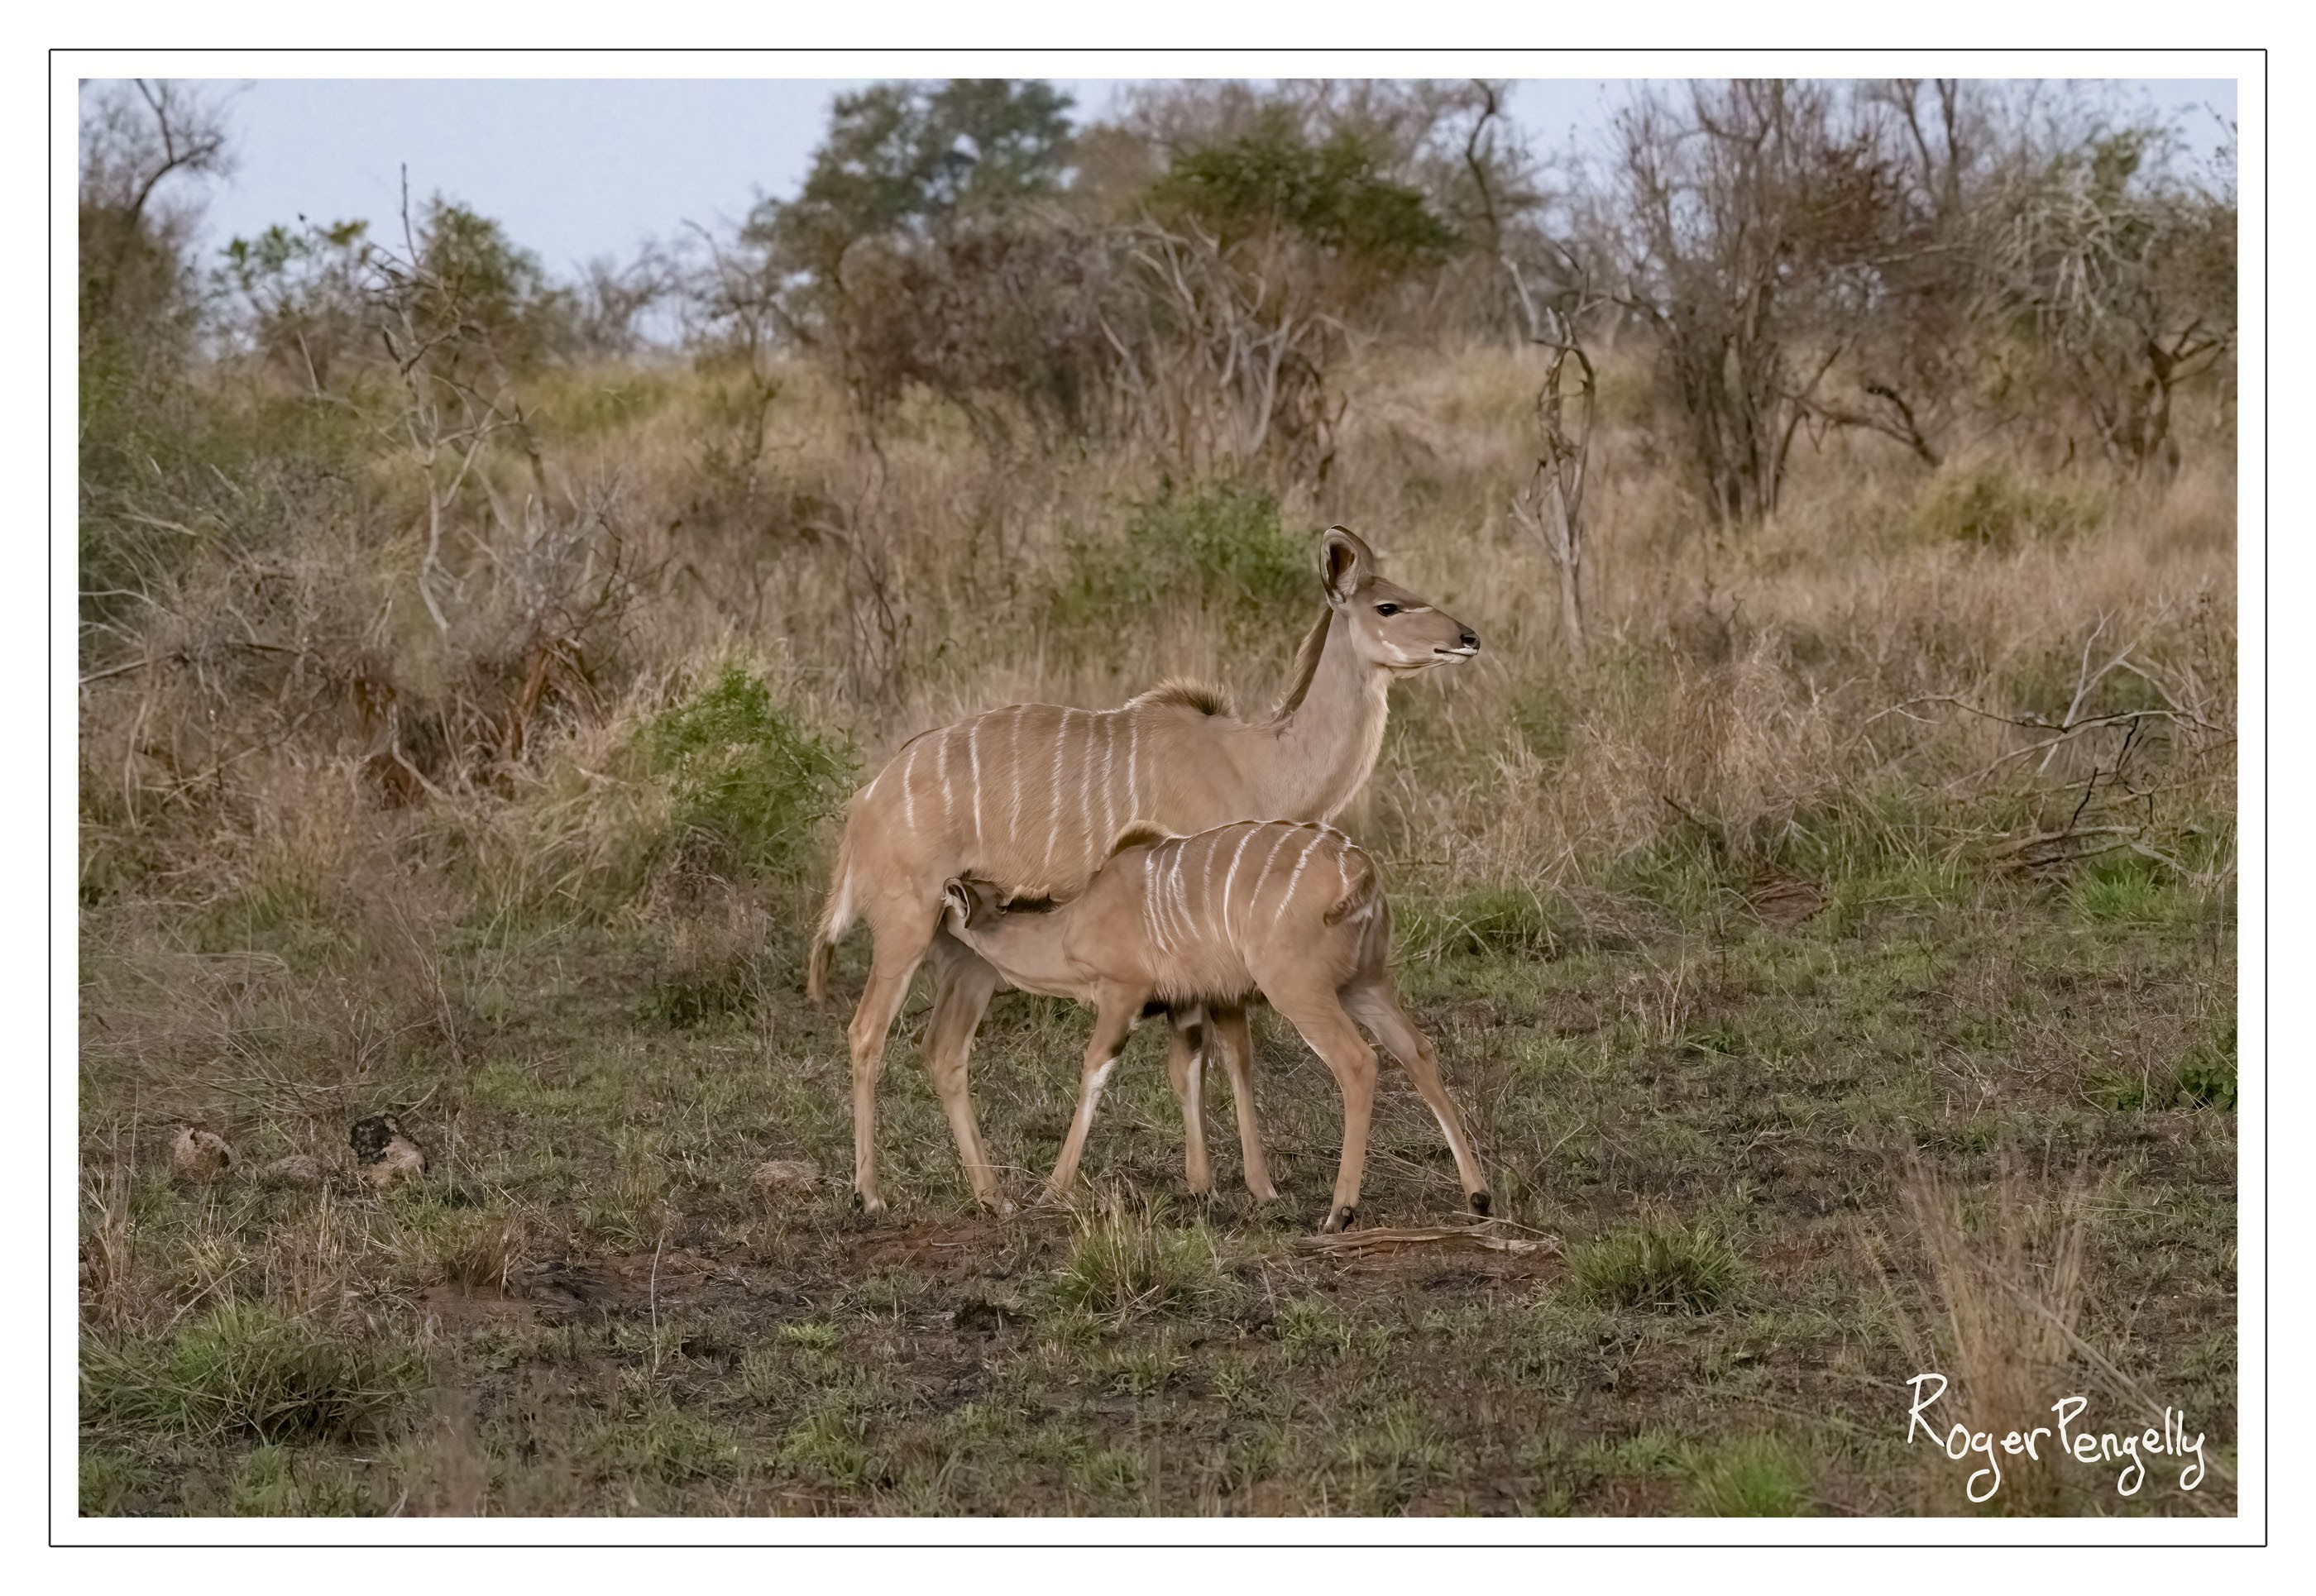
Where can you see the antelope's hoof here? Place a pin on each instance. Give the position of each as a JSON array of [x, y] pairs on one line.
[[1479, 1200], [869, 1205], [1003, 1206], [1342, 1220]]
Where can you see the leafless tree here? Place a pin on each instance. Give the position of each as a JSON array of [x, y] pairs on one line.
[[1754, 216], [135, 138], [1551, 507]]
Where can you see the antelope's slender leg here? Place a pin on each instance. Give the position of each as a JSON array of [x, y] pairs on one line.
[[900, 945], [963, 984], [1228, 1033], [1329, 1029], [1111, 1026], [1186, 1069], [1377, 1009]]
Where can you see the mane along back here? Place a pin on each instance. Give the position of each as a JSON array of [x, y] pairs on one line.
[[1202, 696], [1141, 834], [1305, 667]]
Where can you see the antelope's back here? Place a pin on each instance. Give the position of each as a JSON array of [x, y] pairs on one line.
[[1031, 795]]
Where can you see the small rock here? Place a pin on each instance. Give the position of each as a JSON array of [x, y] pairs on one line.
[[388, 1155], [783, 1175], [198, 1157], [296, 1170]]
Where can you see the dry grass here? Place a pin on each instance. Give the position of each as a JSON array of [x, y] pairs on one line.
[[336, 862]]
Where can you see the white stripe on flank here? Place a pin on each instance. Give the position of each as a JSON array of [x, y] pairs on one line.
[[1053, 815], [973, 753], [1178, 917], [1013, 758], [948, 794], [1108, 803], [1149, 909], [1244, 837], [1158, 897], [1303, 859], [1086, 844], [1254, 899], [1133, 784], [909, 785], [1207, 905], [1182, 895]]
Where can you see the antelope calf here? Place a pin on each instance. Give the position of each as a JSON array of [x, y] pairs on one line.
[[1290, 911]]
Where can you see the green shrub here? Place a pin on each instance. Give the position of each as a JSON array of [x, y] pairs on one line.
[[749, 783], [1332, 191], [1221, 549], [247, 1370], [1670, 1268]]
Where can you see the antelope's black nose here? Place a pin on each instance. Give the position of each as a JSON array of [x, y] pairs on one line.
[[1471, 638]]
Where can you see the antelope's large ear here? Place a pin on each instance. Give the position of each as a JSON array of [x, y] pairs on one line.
[[1345, 564], [956, 900]]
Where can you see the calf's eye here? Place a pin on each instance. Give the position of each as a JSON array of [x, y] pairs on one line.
[[1386, 609]]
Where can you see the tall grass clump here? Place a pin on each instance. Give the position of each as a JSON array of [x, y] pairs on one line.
[[1667, 1268], [1126, 1261], [250, 1371], [2000, 1319]]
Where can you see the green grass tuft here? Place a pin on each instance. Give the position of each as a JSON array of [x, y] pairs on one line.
[[1125, 1261], [1663, 1268], [1750, 1477], [248, 1370]]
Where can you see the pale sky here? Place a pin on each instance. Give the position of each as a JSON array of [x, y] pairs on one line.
[[576, 168]]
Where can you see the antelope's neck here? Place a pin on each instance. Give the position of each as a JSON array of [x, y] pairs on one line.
[[1327, 747], [1029, 951]]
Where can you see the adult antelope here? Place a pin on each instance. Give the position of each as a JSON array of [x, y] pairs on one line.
[[1032, 795], [1293, 912]]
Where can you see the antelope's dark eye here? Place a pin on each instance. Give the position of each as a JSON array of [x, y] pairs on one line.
[[1386, 609]]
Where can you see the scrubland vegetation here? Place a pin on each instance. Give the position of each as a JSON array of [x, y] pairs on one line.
[[1821, 888]]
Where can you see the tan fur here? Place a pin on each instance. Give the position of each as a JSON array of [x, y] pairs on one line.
[[1202, 696], [1033, 797], [1299, 675], [1141, 834], [1293, 912]]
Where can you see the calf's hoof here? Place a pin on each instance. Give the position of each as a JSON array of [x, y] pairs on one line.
[[1340, 1221], [1479, 1200], [869, 1205]]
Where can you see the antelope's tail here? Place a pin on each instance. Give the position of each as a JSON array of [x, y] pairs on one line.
[[835, 919]]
